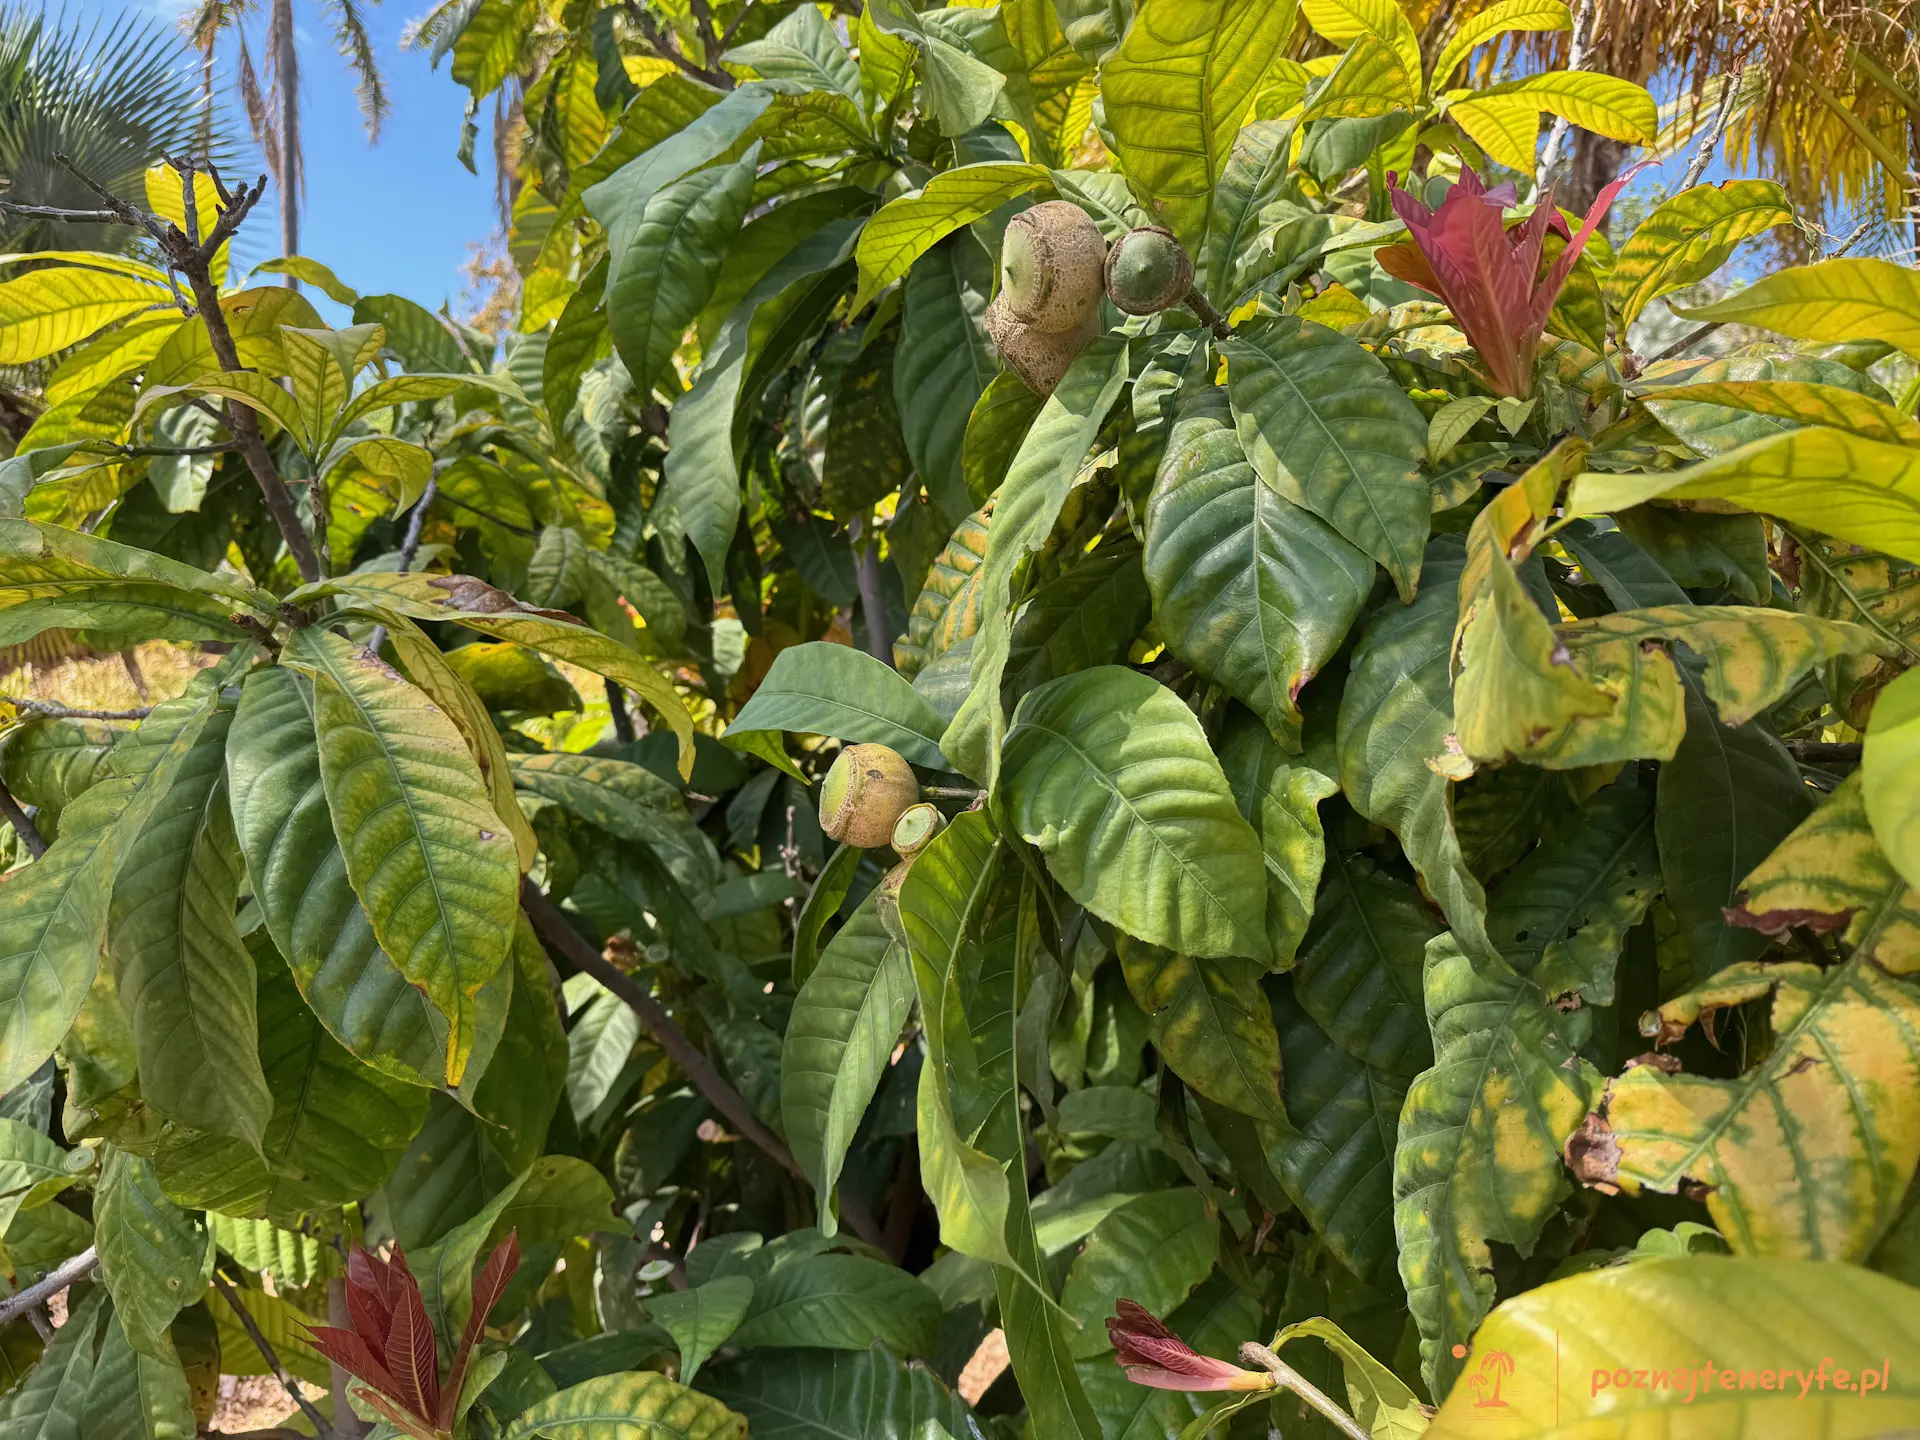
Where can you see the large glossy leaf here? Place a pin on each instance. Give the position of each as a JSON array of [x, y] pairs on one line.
[[1891, 770], [58, 307], [1210, 1022], [628, 801], [1659, 1322], [1281, 800], [825, 689], [841, 1302], [1086, 617], [907, 228], [1395, 715], [286, 834], [1153, 1250], [834, 1395], [185, 978], [1829, 480], [1764, 405], [1111, 776], [1709, 427], [630, 1405], [666, 271], [1326, 426], [32, 1169], [943, 362], [1725, 800], [1029, 502], [53, 913], [433, 865], [1830, 874], [1688, 237], [155, 1258], [1353, 1034], [838, 1045], [1481, 1134], [481, 607], [1831, 301], [51, 1402], [1806, 1156], [701, 1318], [1251, 590], [293, 1259], [141, 1397], [1177, 91]]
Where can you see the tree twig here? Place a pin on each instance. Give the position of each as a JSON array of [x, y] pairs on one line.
[[873, 605], [66, 712], [1209, 317], [68, 1273], [663, 45], [1292, 1379], [409, 547], [1576, 60], [1827, 752], [488, 516], [1703, 155], [28, 832], [555, 929], [267, 1353]]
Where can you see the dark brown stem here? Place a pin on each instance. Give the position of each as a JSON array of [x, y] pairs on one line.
[[1822, 752], [554, 928], [873, 607], [259, 632], [47, 707], [267, 1353], [28, 832], [1209, 317], [664, 46], [622, 720]]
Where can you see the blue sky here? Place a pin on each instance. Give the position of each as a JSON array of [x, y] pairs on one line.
[[398, 216]]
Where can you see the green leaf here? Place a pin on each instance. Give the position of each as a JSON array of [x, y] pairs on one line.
[[823, 902], [1562, 914], [1806, 1156], [628, 801], [1353, 1035], [155, 1258], [1496, 20], [1256, 174], [432, 863], [701, 1319], [294, 1260], [1480, 1142], [1749, 1315], [1029, 503], [1726, 799], [141, 1397], [285, 1327], [839, 1042], [801, 47], [1891, 771], [841, 1302], [634, 1405], [1832, 302], [1210, 1022], [824, 689], [833, 1395], [1111, 776], [1710, 429], [53, 913], [1153, 1250], [1591, 99], [1326, 426], [53, 1400], [1176, 93], [1395, 716], [286, 833], [866, 456], [1249, 589], [961, 90], [905, 229], [560, 1198], [1795, 402], [1830, 874], [943, 363], [1688, 237], [1376, 1397], [665, 272], [56, 308], [182, 972], [1088, 616], [1371, 79], [32, 1170]]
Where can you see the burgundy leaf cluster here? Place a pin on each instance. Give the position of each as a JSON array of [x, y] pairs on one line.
[[392, 1346], [1153, 1355]]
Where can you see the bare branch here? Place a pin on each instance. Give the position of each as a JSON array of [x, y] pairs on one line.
[[65, 712], [663, 45], [267, 1353], [1710, 142], [70, 1272], [28, 832]]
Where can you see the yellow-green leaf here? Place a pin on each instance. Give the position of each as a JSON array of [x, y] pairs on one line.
[[1892, 773], [1801, 401], [48, 310], [1698, 1347], [1179, 88], [1371, 80], [1376, 1397], [1688, 237], [1495, 20], [1604, 104], [906, 229], [1806, 1156], [1830, 302], [1345, 21], [1507, 127], [1831, 874]]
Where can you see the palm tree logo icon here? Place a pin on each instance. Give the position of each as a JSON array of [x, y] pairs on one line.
[[1495, 1366]]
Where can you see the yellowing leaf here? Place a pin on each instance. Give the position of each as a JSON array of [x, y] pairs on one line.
[[1832, 301], [1830, 874], [1807, 1155], [1802, 401], [1178, 90], [1344, 21], [1825, 479], [1495, 20], [907, 228], [1372, 80], [48, 310], [1688, 237], [1507, 127], [1604, 104], [1891, 772], [1709, 1347]]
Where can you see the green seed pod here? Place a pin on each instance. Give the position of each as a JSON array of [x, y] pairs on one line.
[[886, 899], [917, 825], [1052, 267], [1038, 357], [864, 792], [1148, 270]]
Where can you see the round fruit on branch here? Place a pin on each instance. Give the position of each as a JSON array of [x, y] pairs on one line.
[[1148, 270], [866, 790]]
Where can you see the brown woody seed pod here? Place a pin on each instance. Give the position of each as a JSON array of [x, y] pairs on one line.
[[1052, 267], [1038, 357], [1148, 270], [866, 789]]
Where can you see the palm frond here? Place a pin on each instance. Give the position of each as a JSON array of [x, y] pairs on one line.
[[350, 38]]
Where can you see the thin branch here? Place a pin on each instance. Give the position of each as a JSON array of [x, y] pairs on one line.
[[1576, 60], [1703, 156], [703, 22], [488, 516], [664, 46], [409, 547], [61, 212], [69, 1272], [22, 826], [1209, 316], [1292, 1379], [267, 1353], [184, 452], [554, 928], [68, 712], [1825, 752], [617, 707]]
